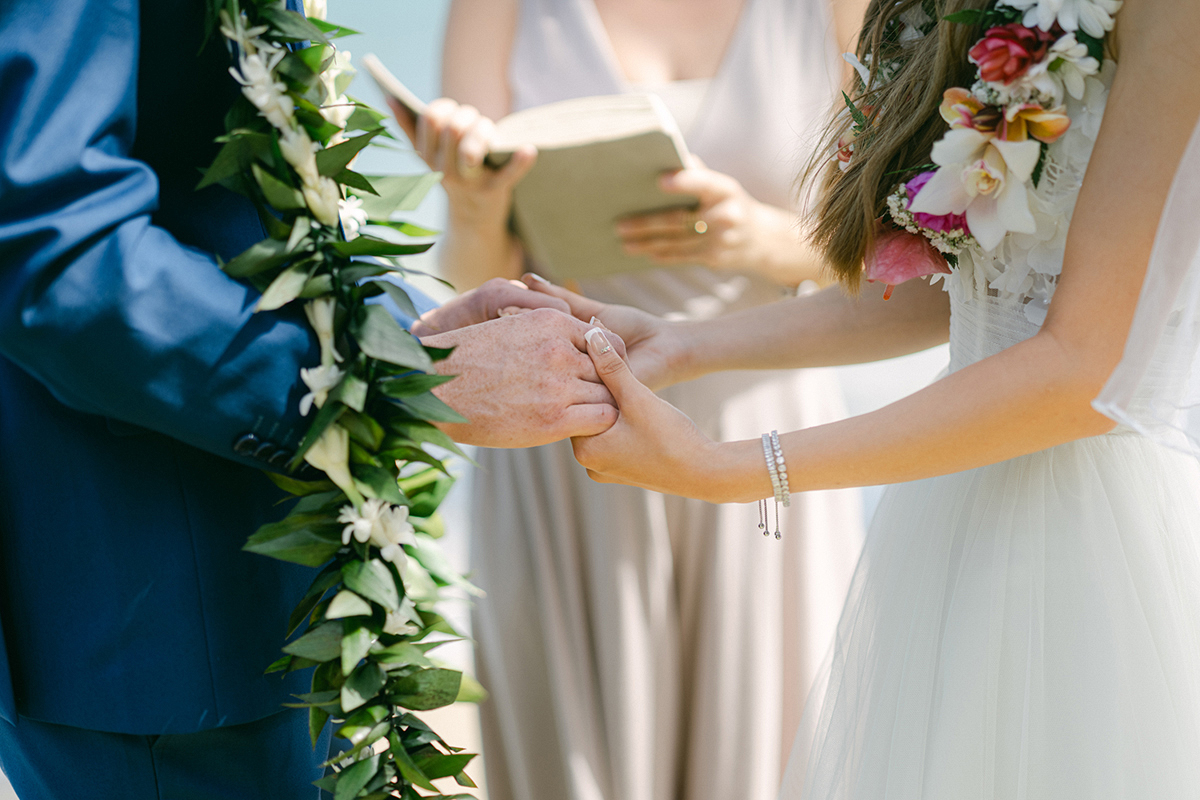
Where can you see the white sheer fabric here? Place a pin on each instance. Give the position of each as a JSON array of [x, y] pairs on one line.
[[1156, 387], [1030, 630]]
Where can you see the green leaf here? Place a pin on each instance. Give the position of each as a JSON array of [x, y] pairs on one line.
[[434, 560], [290, 27], [413, 454], [235, 156], [297, 487], [408, 768], [279, 665], [362, 685], [401, 654], [381, 337], [257, 258], [322, 643], [362, 429], [424, 432], [471, 691], [968, 16], [410, 385], [355, 644], [1095, 46], [358, 726], [331, 30], [308, 539], [426, 690], [317, 717], [352, 779], [317, 285], [352, 391], [333, 160], [318, 698], [372, 246], [378, 482], [860, 119], [365, 118], [372, 580], [285, 288], [399, 297], [348, 177], [328, 578], [278, 194], [429, 407], [407, 228], [443, 766], [398, 193], [347, 604]]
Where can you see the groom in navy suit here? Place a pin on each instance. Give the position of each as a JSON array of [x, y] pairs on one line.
[[139, 397]]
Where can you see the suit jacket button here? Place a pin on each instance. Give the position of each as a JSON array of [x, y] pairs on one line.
[[265, 450], [246, 444], [281, 458]]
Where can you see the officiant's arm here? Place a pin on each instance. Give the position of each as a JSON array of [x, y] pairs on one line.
[[1031, 396]]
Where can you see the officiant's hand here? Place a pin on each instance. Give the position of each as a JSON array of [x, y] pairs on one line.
[[657, 349], [523, 380], [483, 304], [652, 444], [729, 230], [454, 139]]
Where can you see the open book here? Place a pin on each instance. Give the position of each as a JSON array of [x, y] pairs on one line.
[[599, 159]]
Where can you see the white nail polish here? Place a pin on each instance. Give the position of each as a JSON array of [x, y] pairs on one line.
[[601, 346]]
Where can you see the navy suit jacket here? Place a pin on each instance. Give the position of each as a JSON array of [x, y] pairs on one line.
[[129, 367]]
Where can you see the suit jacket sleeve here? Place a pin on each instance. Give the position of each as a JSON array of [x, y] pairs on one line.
[[111, 313]]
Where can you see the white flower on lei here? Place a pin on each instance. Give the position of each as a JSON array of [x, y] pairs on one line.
[[322, 199], [269, 96], [1095, 17], [1069, 60], [301, 152], [320, 316], [985, 178], [382, 524], [331, 455], [353, 216], [319, 380], [315, 9]]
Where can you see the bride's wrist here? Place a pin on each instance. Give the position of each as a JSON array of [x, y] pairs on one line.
[[736, 472]]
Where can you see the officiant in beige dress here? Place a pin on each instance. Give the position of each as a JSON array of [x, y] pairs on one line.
[[636, 646]]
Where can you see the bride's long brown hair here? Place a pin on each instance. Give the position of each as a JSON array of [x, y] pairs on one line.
[[903, 125]]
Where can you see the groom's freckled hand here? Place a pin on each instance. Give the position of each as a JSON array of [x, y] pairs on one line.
[[523, 380]]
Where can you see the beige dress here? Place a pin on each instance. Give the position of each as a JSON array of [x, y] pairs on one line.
[[642, 647]]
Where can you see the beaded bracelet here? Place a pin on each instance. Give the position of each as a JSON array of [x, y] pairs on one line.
[[777, 469]]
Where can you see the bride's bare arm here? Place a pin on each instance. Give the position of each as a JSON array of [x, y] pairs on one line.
[[1033, 395]]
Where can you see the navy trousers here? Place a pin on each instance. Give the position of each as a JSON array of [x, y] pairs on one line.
[[271, 759]]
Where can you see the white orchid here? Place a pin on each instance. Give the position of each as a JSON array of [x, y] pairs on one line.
[[353, 216], [985, 178], [319, 380], [1095, 17], [1069, 60], [331, 455], [320, 316], [391, 534], [360, 522], [315, 9]]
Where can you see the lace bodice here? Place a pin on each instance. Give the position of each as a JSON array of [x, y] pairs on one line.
[[999, 298]]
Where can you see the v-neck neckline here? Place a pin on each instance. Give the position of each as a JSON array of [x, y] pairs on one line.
[[608, 52]]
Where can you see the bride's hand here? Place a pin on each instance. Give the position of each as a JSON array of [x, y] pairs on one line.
[[652, 444], [658, 349]]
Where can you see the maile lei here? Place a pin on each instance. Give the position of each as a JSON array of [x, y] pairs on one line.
[[370, 521], [1033, 54]]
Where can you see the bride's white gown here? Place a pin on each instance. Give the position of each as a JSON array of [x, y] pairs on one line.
[[1029, 629]]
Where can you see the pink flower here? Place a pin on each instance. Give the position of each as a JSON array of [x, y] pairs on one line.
[[1006, 53], [943, 222], [897, 256]]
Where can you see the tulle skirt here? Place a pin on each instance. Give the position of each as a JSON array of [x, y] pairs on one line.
[[1028, 630]]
